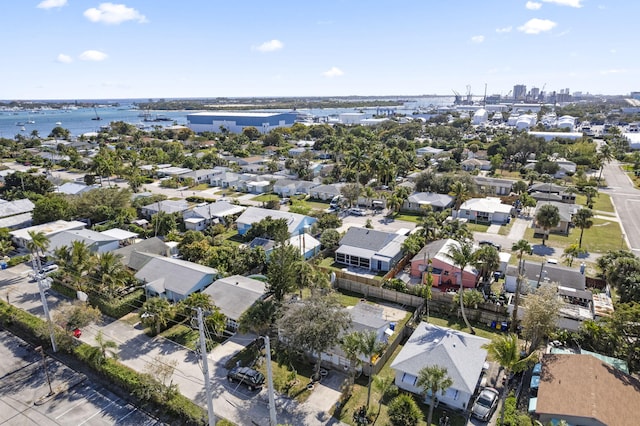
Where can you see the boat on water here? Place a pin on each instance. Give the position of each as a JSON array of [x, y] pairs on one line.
[[20, 123], [97, 117], [58, 123], [23, 129]]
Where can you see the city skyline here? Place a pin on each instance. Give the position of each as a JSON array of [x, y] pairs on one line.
[[66, 49]]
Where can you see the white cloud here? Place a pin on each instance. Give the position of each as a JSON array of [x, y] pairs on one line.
[[333, 72], [504, 29], [532, 5], [613, 71], [270, 46], [537, 26], [50, 4], [477, 39], [113, 14], [570, 3], [93, 55], [65, 59]]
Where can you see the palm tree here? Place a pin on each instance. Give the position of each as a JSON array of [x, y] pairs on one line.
[[104, 348], [351, 344], [460, 192], [370, 347], [37, 245], [505, 350], [382, 385], [522, 247], [487, 260], [590, 192], [306, 275], [394, 203], [193, 301], [605, 156], [109, 273], [582, 219], [156, 313], [462, 255], [571, 252], [548, 217], [433, 379], [78, 263], [5, 247]]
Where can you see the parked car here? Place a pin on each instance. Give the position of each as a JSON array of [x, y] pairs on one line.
[[48, 269], [485, 404], [492, 244], [357, 212], [252, 378]]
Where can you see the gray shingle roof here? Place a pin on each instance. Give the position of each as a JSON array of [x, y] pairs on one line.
[[16, 207], [365, 238], [152, 245], [563, 275], [179, 275], [235, 294], [460, 353], [437, 200]]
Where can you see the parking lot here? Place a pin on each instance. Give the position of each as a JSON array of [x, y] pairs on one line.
[[25, 392]]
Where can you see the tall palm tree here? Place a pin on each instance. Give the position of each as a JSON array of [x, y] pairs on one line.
[[505, 350], [605, 156], [78, 263], [108, 273], [351, 344], [460, 192], [370, 347], [462, 255], [582, 219], [590, 192], [306, 276], [521, 247], [548, 217], [37, 245], [487, 260], [5, 247], [433, 379]]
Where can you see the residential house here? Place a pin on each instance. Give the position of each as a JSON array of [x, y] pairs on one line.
[[326, 192], [174, 279], [289, 187], [536, 273], [417, 202], [297, 223], [551, 192], [258, 186], [462, 354], [234, 295], [566, 212], [165, 206], [485, 210], [309, 246], [172, 171], [493, 186], [370, 249], [153, 245], [20, 237], [253, 164], [5, 173], [75, 188], [201, 216], [123, 237], [584, 390], [225, 180], [428, 151], [475, 164], [199, 176], [443, 269], [365, 318], [96, 242], [15, 214]]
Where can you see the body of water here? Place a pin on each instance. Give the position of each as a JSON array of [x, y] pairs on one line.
[[82, 120]]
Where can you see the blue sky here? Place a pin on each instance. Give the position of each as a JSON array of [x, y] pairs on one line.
[[85, 49]]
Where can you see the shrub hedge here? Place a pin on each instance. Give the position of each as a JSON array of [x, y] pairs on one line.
[[178, 408]]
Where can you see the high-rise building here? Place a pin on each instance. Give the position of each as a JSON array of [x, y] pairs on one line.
[[519, 92]]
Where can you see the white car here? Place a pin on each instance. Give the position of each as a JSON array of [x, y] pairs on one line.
[[357, 212]]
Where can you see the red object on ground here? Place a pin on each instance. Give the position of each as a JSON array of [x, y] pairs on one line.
[[77, 333]]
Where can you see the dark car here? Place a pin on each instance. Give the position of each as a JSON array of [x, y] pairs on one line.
[[252, 378], [485, 404], [492, 244]]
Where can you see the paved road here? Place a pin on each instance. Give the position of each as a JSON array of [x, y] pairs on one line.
[[77, 401], [137, 351], [626, 200]]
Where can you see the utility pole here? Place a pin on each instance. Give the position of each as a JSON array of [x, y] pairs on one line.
[[205, 369], [46, 372], [43, 284], [272, 401]]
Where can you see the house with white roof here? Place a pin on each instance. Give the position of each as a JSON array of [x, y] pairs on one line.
[[199, 176], [296, 223], [234, 295], [20, 237], [123, 236], [428, 151], [326, 192], [75, 188], [485, 210], [417, 201], [166, 206], [370, 249], [462, 354], [174, 279], [198, 218], [96, 242]]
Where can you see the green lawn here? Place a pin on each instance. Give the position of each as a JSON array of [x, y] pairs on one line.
[[409, 217], [477, 227], [602, 202], [200, 187], [603, 236], [182, 335], [505, 229], [265, 198]]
